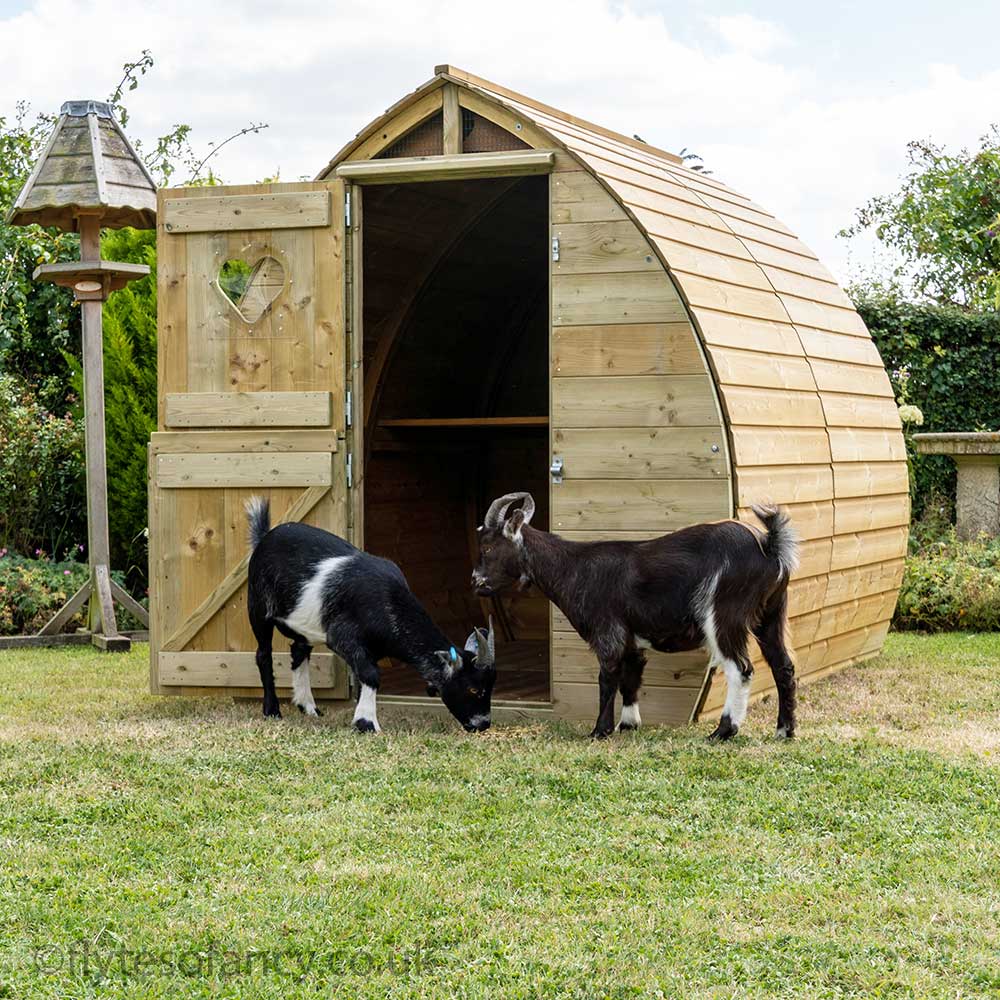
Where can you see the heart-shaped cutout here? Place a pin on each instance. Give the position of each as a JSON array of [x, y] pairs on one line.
[[251, 288]]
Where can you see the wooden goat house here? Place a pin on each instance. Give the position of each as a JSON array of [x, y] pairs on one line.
[[480, 295]]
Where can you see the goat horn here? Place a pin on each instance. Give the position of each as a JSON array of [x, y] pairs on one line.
[[498, 509]]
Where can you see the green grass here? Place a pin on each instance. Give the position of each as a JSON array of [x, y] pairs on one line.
[[187, 835]]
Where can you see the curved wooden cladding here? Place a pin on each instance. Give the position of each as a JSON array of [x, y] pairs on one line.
[[809, 417], [808, 404]]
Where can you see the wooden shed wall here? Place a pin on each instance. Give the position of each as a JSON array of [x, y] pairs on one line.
[[811, 415], [810, 418]]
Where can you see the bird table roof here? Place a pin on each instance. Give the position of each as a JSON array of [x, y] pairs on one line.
[[88, 167]]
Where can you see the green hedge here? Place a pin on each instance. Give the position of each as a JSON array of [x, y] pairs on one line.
[[944, 360]]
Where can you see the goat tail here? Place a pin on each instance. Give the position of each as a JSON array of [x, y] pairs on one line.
[[782, 541], [258, 518]]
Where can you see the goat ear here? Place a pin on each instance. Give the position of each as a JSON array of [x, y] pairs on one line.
[[449, 660], [471, 644], [513, 524]]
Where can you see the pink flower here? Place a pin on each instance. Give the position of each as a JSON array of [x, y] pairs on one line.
[[65, 572]]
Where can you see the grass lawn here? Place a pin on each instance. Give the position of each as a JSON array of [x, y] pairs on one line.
[[161, 847]]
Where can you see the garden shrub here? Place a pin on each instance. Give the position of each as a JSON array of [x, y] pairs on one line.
[[948, 584], [33, 590], [42, 498]]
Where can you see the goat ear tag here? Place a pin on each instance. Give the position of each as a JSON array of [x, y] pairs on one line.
[[250, 289], [452, 654]]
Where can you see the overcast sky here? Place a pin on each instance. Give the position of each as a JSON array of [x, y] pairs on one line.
[[805, 107]]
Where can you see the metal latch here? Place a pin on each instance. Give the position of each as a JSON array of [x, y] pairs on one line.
[[556, 468], [555, 248]]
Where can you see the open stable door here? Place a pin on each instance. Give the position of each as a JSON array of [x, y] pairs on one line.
[[252, 389]]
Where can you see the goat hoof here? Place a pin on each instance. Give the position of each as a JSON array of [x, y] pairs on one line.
[[272, 713], [365, 726], [785, 732], [432, 692], [726, 730], [627, 727], [601, 734]]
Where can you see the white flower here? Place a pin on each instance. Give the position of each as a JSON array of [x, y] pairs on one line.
[[910, 414]]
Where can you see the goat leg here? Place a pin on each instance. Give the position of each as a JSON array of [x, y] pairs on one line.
[[608, 683]]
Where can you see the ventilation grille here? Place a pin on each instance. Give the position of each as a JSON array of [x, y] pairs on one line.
[[427, 139], [480, 135]]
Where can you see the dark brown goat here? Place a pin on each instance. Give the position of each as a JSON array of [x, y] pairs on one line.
[[707, 585]]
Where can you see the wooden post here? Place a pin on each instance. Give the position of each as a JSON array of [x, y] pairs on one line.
[[101, 614]]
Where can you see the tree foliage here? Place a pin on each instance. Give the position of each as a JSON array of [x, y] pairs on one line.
[[944, 224], [40, 374]]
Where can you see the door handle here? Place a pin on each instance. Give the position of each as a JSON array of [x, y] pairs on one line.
[[556, 469]]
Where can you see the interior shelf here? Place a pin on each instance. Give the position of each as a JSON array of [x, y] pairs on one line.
[[467, 422]]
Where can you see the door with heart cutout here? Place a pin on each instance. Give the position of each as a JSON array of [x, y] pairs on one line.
[[252, 382]]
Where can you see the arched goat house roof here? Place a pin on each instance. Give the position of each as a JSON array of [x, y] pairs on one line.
[[702, 359]]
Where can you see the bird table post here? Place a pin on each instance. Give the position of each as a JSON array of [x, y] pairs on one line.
[[89, 177]]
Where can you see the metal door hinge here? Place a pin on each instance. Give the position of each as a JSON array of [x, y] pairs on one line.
[[350, 470], [555, 248], [347, 209], [556, 468], [349, 408]]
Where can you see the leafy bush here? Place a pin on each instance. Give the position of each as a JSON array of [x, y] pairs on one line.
[[33, 590], [42, 497], [949, 584], [942, 359]]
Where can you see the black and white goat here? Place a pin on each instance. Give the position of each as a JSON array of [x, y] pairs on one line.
[[706, 585], [314, 587]]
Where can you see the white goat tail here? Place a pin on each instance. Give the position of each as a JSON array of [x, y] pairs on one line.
[[258, 518], [782, 541]]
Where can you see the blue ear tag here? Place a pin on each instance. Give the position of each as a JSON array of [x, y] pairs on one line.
[[454, 655]]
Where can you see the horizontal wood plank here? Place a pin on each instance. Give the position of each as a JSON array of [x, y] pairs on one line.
[[573, 661], [857, 549], [634, 401], [602, 247], [784, 484], [749, 406], [577, 196], [867, 479], [779, 445], [656, 506], [192, 471], [184, 442], [659, 706], [629, 297], [449, 166], [870, 513], [232, 669], [249, 409], [860, 444], [276, 210], [641, 452], [626, 349]]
